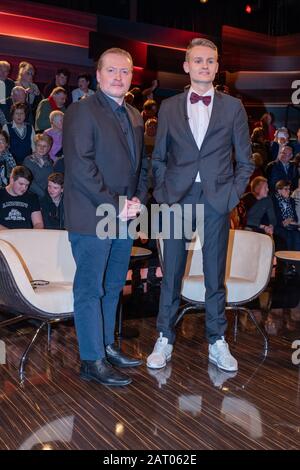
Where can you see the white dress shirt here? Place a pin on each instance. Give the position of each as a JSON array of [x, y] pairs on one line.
[[199, 117]]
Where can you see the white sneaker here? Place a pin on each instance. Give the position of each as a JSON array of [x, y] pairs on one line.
[[162, 375], [218, 376], [161, 353], [219, 355]]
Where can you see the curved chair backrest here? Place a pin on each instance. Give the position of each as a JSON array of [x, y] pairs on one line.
[[249, 261], [46, 254]]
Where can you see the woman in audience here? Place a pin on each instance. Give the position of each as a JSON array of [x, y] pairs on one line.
[[7, 162], [258, 206], [55, 131], [21, 133], [25, 79], [286, 228], [281, 139], [40, 164]]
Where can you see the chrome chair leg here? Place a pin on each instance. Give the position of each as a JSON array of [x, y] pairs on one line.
[[261, 330], [48, 337], [183, 311], [25, 354], [235, 325]]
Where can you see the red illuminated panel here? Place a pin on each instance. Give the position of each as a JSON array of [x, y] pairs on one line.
[[43, 30]]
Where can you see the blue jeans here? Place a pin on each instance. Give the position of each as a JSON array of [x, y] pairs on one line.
[[101, 269]]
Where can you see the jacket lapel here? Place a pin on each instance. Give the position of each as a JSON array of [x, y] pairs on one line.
[[114, 123], [216, 114], [183, 115]]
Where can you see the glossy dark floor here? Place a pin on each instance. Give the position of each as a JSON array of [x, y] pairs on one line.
[[188, 405]]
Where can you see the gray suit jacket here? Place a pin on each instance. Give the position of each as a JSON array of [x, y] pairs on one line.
[[177, 159], [98, 166]]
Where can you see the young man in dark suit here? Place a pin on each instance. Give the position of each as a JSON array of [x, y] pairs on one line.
[[102, 142], [193, 164]]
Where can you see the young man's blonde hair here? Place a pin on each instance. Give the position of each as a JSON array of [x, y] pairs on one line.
[[199, 42], [113, 50]]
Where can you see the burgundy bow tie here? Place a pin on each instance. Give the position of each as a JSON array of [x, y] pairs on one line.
[[194, 98]]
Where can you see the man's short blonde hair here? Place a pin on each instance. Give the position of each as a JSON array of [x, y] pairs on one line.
[[199, 42], [113, 50]]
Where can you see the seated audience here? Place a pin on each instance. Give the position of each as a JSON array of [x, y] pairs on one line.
[[280, 140], [149, 110], [21, 133], [61, 80], [296, 145], [258, 206], [283, 169], [52, 204], [7, 162], [18, 207], [40, 164], [260, 145], [6, 86], [296, 197], [266, 122], [55, 131], [18, 95], [25, 79], [2, 119], [258, 171], [56, 101], [83, 90], [286, 228], [59, 165]]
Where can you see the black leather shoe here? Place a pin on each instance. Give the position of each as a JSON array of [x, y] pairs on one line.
[[102, 372], [117, 358]]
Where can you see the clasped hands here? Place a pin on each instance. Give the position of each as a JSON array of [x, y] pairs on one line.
[[131, 209]]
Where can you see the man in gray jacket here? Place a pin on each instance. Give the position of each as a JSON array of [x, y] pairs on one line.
[[192, 164], [102, 142]]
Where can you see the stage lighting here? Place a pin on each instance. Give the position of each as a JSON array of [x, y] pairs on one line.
[[248, 9]]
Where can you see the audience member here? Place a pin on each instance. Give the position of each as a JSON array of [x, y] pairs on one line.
[[18, 207], [283, 169], [40, 164], [25, 79], [55, 131], [259, 210], [56, 101], [61, 79], [52, 204], [83, 90], [7, 162], [21, 133], [6, 85]]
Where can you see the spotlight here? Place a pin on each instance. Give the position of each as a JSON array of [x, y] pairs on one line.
[[203, 1], [248, 9]]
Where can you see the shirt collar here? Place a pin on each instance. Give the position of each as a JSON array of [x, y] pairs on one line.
[[112, 103]]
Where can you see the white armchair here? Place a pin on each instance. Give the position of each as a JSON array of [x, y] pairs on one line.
[[36, 279], [248, 270]]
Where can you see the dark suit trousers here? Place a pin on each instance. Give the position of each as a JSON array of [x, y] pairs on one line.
[[216, 232], [101, 269]]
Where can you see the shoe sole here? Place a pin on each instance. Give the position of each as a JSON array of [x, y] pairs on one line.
[[89, 379], [213, 361], [160, 367]]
